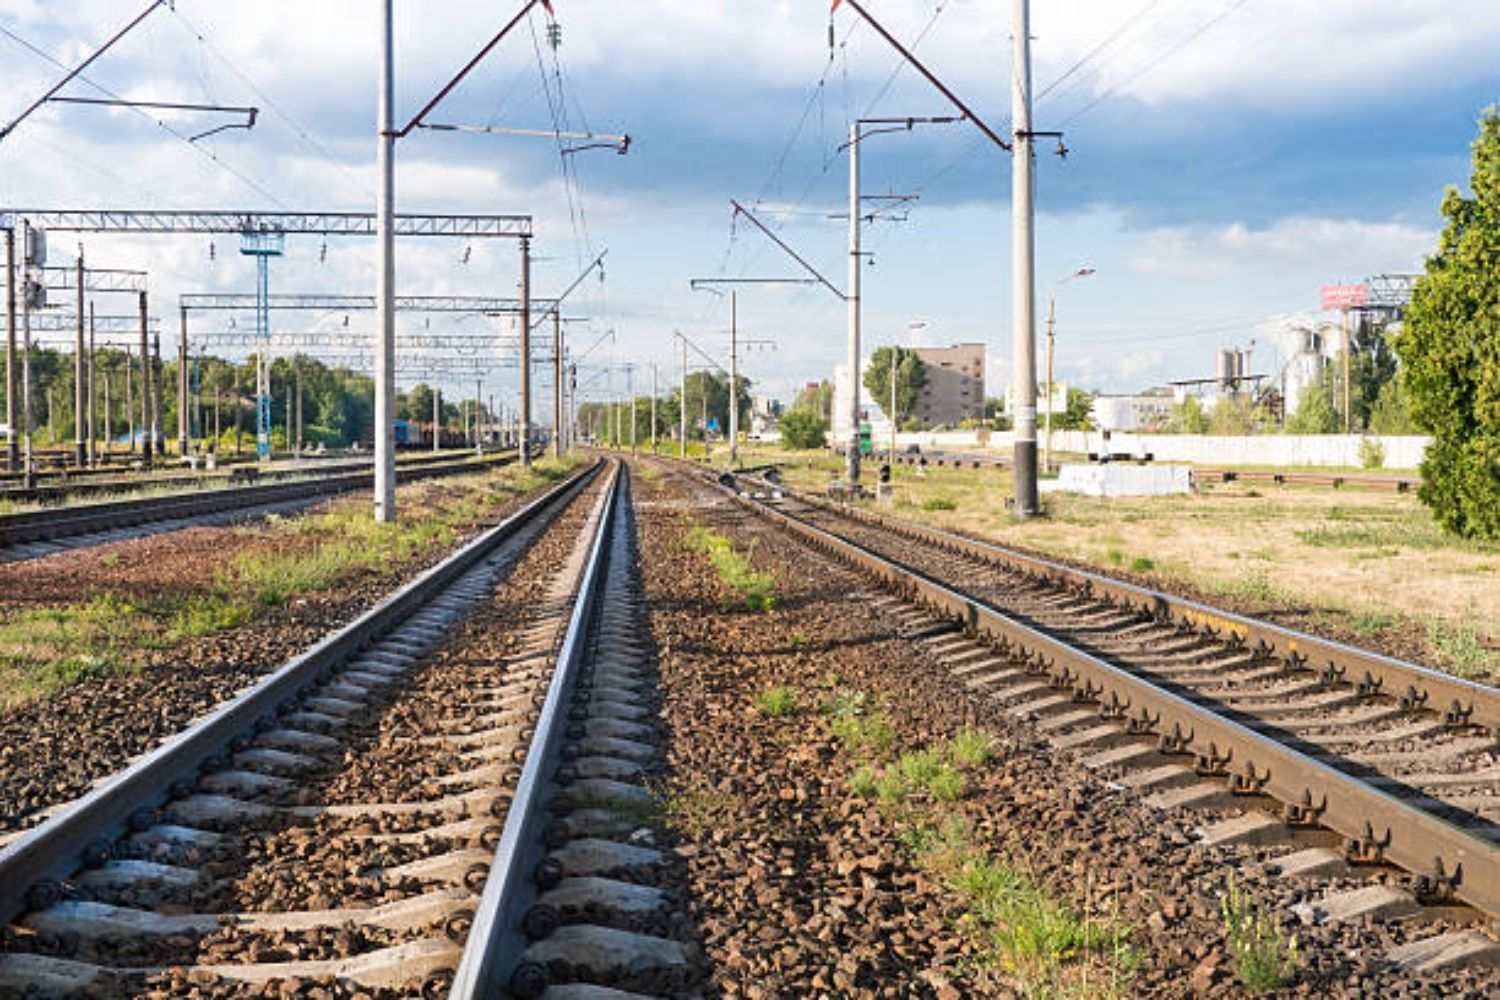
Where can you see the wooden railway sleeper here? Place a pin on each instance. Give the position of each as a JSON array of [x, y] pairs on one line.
[[1304, 813]]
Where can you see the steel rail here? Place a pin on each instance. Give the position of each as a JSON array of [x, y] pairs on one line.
[[1377, 825], [57, 523], [496, 943], [1458, 701], [31, 864]]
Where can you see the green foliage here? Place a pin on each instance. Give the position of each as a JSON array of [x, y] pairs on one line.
[[911, 376], [1315, 412], [861, 729], [1372, 367], [1188, 417], [802, 430], [777, 701], [863, 781], [940, 503], [816, 399], [1263, 958], [1142, 564], [1450, 352], [970, 747], [1077, 415], [1371, 453], [1232, 416], [1391, 412], [757, 588]]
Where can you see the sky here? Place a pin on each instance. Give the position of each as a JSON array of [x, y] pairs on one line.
[[1226, 159]]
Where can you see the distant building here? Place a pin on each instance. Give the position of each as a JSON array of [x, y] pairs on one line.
[[954, 390]]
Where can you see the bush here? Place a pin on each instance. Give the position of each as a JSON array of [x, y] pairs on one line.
[[802, 430], [1371, 453], [1448, 347]]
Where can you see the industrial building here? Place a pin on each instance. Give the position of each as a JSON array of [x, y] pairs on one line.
[[954, 391]]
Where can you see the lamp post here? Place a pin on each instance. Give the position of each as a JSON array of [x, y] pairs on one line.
[[1082, 272]]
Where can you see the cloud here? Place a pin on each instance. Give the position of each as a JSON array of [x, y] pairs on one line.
[[1345, 246]]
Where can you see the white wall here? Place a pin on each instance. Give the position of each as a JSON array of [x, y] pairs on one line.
[[1203, 449]]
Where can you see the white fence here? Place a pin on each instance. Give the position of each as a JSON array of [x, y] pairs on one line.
[[1277, 450]]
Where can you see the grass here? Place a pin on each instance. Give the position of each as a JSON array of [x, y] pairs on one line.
[[1263, 957], [776, 702], [970, 747], [46, 649], [1463, 651], [940, 503], [755, 587], [864, 731]]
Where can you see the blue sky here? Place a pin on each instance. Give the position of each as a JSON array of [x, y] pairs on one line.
[[1231, 157]]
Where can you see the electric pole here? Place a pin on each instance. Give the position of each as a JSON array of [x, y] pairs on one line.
[[557, 383], [93, 455], [80, 414], [734, 380], [146, 442], [682, 407], [12, 443], [184, 424], [653, 407], [851, 465], [524, 418], [1023, 262], [385, 281]]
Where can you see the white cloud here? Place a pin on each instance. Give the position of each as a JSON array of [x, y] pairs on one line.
[[1344, 246]]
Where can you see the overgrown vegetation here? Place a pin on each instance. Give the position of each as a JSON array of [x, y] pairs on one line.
[[1052, 946], [756, 587], [777, 701], [1448, 348], [44, 650], [1264, 958]]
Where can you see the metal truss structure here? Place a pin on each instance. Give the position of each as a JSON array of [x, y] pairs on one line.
[[1388, 297], [488, 305], [98, 280], [288, 223], [54, 322]]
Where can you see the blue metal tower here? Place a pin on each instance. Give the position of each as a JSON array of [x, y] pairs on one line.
[[263, 245]]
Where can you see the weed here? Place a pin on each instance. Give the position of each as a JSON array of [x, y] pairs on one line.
[[109, 560], [863, 781], [1115, 557], [775, 702], [947, 785], [1263, 958], [758, 589], [1460, 647], [208, 616], [940, 503], [970, 747], [891, 789], [695, 811], [1141, 564], [861, 731]]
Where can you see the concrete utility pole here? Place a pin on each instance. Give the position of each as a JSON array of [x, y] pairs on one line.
[[80, 413], [557, 383], [734, 380], [385, 281], [30, 462], [851, 464], [158, 429], [109, 416], [297, 389], [630, 389], [479, 416], [653, 407], [184, 421], [1023, 264], [682, 405], [93, 455], [12, 443], [147, 444], [130, 403], [437, 419], [525, 414]]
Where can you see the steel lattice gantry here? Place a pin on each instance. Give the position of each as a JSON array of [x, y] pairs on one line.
[[288, 223], [483, 304]]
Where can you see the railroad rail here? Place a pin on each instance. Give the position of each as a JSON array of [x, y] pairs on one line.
[[24, 534], [100, 871], [1395, 758], [507, 862]]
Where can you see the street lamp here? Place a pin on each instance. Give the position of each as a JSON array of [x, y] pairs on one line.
[[1082, 272]]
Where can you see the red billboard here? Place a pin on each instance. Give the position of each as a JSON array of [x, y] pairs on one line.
[[1345, 296]]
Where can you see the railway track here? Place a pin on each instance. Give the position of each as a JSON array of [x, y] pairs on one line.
[[37, 533], [442, 799], [1352, 760]]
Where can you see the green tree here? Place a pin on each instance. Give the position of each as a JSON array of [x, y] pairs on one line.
[[1391, 413], [1189, 417], [803, 430], [1315, 411], [817, 399], [1232, 416], [1372, 366], [1450, 352], [1078, 414], [911, 376]]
